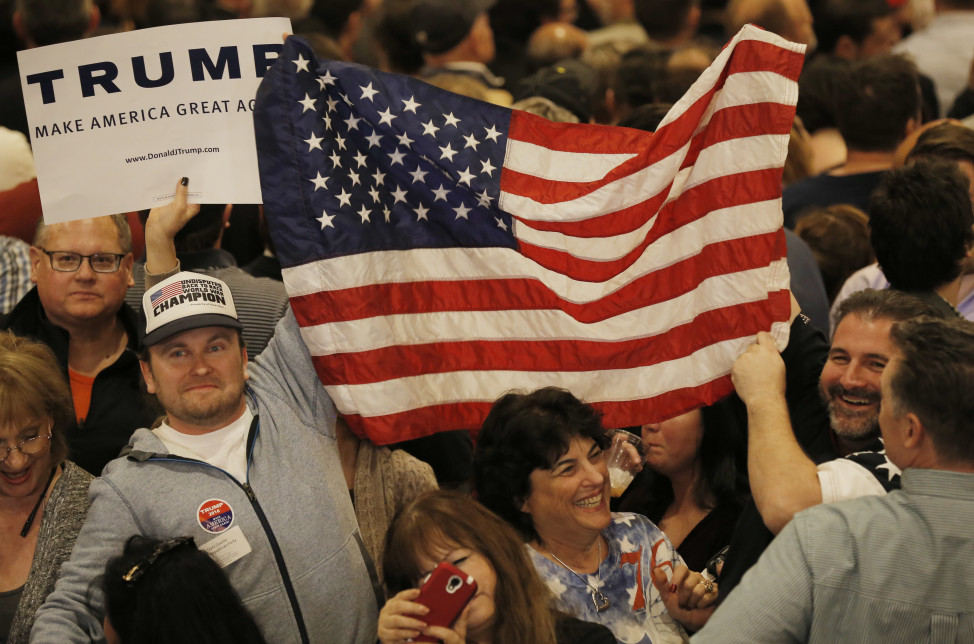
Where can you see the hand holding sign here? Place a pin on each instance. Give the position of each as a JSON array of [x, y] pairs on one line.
[[161, 228]]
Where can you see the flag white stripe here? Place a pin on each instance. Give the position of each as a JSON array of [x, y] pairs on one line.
[[460, 326], [451, 264], [538, 161], [403, 394]]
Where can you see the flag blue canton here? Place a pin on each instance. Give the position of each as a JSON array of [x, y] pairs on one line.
[[393, 163]]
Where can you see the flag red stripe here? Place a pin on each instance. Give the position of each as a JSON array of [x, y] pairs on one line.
[[526, 294], [549, 355]]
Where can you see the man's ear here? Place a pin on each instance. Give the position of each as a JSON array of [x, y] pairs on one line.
[[914, 433], [20, 29], [36, 257], [846, 47], [246, 362], [93, 20], [150, 382]]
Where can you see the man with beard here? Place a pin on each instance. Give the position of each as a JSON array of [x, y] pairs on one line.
[[245, 461], [784, 480]]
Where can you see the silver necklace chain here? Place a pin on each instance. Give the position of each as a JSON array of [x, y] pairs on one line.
[[599, 600]]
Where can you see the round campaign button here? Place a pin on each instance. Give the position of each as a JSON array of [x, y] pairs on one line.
[[215, 515]]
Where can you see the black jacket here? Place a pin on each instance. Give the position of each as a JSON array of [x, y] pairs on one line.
[[119, 405]]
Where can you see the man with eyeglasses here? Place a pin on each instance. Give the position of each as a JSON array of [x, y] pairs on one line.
[[81, 270]]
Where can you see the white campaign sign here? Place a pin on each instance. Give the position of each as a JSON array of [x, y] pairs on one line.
[[115, 121]]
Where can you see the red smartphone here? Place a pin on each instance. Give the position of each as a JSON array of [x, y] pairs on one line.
[[445, 593]]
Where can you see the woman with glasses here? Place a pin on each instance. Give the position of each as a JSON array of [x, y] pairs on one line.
[[43, 496]]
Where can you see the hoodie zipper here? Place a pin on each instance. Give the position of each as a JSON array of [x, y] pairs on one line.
[[265, 524]]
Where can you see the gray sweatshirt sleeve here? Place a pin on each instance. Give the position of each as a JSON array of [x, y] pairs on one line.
[[73, 613]]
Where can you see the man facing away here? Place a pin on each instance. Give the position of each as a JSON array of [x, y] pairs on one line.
[[246, 462], [896, 568]]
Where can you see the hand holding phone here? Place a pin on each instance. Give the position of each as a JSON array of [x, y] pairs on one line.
[[445, 593]]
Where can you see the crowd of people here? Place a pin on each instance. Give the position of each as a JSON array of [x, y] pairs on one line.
[[179, 473]]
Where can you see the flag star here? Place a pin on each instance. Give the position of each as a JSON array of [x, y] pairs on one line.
[[418, 175], [352, 122], [308, 103], [461, 211], [368, 92], [487, 168], [492, 133], [364, 213], [373, 139], [327, 120], [345, 199], [354, 177], [451, 120], [472, 142], [386, 213], [336, 161], [484, 199], [314, 142], [386, 117], [396, 157], [379, 176], [500, 223], [345, 98], [340, 140], [447, 152], [404, 140], [465, 177], [302, 64], [399, 194], [374, 193], [440, 193], [410, 105], [332, 104], [421, 213], [429, 128], [360, 159], [325, 220], [327, 79], [319, 181]]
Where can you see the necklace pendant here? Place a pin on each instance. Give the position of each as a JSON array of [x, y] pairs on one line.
[[600, 601]]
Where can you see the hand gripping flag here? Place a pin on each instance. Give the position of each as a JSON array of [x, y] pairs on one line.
[[440, 251]]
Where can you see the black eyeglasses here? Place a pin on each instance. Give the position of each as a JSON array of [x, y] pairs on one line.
[[139, 569], [68, 262], [28, 446]]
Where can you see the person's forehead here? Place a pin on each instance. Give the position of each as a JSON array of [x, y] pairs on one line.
[[858, 335], [82, 234], [197, 335]]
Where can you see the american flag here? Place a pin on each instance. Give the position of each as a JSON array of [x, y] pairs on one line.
[[165, 293], [440, 251]]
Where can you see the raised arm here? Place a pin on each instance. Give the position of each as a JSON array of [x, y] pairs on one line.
[[784, 480], [161, 228]]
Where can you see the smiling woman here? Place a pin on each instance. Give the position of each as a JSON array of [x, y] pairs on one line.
[[43, 498], [539, 465]]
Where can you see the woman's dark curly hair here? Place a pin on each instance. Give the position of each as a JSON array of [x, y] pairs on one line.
[[522, 433]]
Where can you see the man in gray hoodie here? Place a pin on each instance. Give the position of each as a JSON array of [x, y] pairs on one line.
[[245, 461]]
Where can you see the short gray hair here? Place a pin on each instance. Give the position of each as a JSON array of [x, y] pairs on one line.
[[121, 225]]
